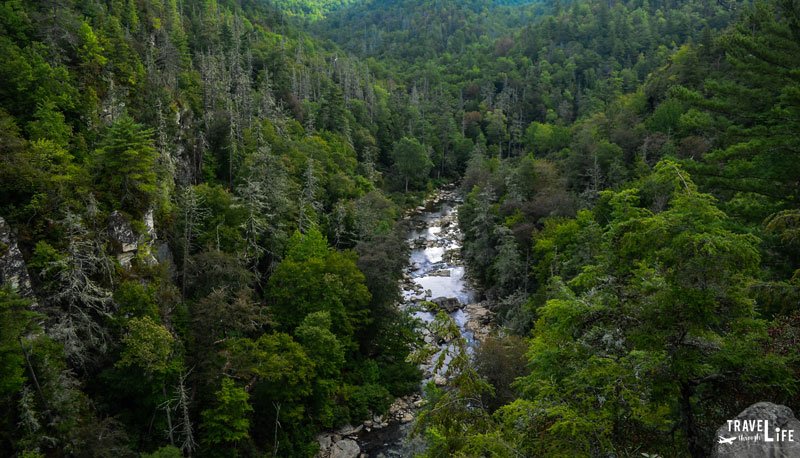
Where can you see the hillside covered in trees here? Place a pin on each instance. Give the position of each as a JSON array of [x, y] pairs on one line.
[[202, 233]]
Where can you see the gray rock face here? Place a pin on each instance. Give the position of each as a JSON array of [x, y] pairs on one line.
[[751, 440], [345, 448], [12, 266], [125, 240], [149, 224], [121, 233]]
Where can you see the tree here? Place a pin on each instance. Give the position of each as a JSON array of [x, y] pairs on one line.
[[411, 160], [455, 418], [264, 195], [76, 299], [148, 346], [314, 278], [655, 329], [496, 129], [327, 354], [501, 360], [756, 104], [320, 344], [15, 321], [227, 423], [125, 166], [281, 378]]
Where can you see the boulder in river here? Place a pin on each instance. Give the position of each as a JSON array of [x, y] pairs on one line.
[[345, 448], [349, 430], [448, 304], [771, 430]]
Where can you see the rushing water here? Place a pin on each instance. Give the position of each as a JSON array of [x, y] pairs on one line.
[[434, 270]]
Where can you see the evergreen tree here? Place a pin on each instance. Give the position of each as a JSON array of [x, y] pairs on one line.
[[125, 166]]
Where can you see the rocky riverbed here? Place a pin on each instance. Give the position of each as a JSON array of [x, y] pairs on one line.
[[434, 280]]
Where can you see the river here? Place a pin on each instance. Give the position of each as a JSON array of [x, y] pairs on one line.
[[435, 272]]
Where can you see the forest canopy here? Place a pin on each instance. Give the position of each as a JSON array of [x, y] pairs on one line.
[[202, 233]]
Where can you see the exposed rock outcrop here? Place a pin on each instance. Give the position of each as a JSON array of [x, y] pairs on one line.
[[121, 234], [735, 440], [126, 242], [13, 270]]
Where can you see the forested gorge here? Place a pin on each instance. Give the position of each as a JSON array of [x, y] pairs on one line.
[[202, 229]]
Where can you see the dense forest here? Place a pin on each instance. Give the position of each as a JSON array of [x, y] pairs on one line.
[[202, 228]]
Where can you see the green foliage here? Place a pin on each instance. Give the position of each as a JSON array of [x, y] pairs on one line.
[[411, 160], [310, 9], [758, 115], [314, 278], [124, 166], [604, 370], [227, 423], [546, 138], [666, 117], [148, 346], [320, 344], [136, 299], [168, 451], [15, 321], [305, 247], [647, 298]]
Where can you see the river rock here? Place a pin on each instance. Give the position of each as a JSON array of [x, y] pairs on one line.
[[12, 266], [398, 406], [440, 273], [349, 430], [407, 417], [448, 304], [325, 441], [345, 448], [779, 416], [479, 320], [451, 256]]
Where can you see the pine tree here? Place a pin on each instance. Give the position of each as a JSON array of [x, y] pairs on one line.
[[125, 166]]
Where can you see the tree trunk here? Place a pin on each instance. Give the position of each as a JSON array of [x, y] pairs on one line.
[[688, 421], [167, 409]]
